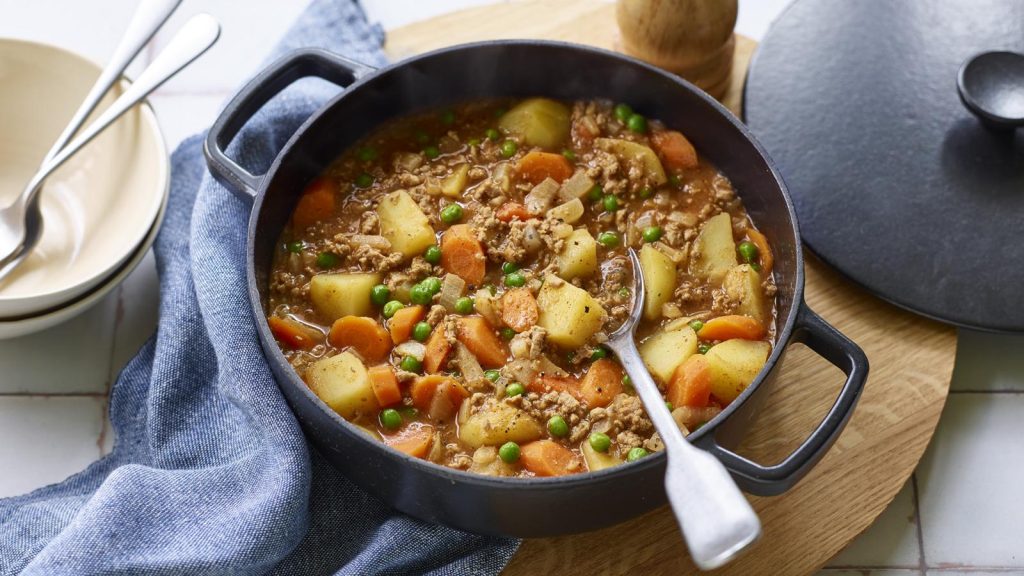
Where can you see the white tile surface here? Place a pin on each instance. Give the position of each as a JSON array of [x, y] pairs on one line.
[[46, 439], [137, 313], [891, 541], [73, 357], [969, 483]]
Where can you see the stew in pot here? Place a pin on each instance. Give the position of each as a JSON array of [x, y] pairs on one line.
[[447, 283]]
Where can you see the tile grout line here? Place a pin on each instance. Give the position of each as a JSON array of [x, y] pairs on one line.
[[922, 561]]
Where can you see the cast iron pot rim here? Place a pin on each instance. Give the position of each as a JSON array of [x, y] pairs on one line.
[[542, 483]]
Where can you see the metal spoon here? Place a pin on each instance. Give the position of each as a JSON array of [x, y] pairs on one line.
[[20, 222], [716, 519], [991, 85]]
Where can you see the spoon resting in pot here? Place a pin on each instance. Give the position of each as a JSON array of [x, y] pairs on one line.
[[717, 521]]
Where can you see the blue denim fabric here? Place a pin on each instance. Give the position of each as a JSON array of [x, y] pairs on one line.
[[210, 473]]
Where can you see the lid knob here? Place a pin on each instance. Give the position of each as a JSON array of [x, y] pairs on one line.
[[991, 86]]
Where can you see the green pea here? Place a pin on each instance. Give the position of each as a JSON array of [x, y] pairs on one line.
[[569, 155], [380, 294], [515, 279], [492, 375], [675, 180], [608, 239], [600, 441], [326, 260], [756, 267], [696, 325], [473, 142], [509, 452], [610, 203], [509, 148], [508, 333], [652, 233], [367, 154], [448, 117], [296, 247], [390, 418], [410, 364], [464, 305], [703, 348], [558, 427], [391, 307], [623, 112], [598, 353], [669, 406], [624, 292], [627, 381], [636, 454], [637, 123], [421, 137], [364, 180], [646, 192], [433, 284], [431, 152], [451, 214], [748, 251], [596, 193], [492, 134], [421, 331], [420, 294], [514, 389], [509, 267], [432, 255]]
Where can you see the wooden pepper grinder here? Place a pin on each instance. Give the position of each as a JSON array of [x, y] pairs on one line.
[[691, 38]]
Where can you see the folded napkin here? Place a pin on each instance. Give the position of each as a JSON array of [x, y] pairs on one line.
[[210, 473]]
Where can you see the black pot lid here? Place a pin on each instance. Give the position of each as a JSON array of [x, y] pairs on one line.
[[895, 183]]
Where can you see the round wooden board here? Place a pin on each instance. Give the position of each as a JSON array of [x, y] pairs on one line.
[[911, 366]]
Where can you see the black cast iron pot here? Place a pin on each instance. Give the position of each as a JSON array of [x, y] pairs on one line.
[[524, 506]]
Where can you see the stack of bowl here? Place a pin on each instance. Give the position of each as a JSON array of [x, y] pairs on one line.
[[101, 210]]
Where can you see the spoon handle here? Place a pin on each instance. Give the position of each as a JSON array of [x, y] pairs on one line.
[[716, 519], [148, 18], [189, 43]]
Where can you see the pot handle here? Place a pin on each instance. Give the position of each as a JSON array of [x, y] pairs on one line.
[[842, 352], [267, 84]]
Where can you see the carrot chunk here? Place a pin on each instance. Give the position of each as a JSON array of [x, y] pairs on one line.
[[690, 384], [733, 326], [479, 337], [385, 385], [462, 254], [317, 202], [537, 166], [675, 150], [402, 323], [438, 349], [601, 383], [545, 383], [519, 309], [547, 458], [510, 211], [363, 335], [438, 396], [763, 249], [414, 440], [293, 333]]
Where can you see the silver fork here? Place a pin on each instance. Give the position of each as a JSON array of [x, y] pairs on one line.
[[717, 521]]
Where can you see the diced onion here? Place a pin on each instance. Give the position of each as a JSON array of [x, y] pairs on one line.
[[569, 212], [451, 290], [540, 197], [577, 185], [411, 348]]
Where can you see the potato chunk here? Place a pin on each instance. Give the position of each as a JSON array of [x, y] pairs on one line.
[[496, 423], [453, 185], [627, 150], [743, 285], [578, 257], [404, 224], [569, 314], [659, 280], [598, 460], [734, 364], [714, 250], [538, 122], [664, 351], [337, 295], [343, 384]]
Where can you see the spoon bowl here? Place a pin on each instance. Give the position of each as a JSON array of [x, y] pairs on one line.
[[991, 86]]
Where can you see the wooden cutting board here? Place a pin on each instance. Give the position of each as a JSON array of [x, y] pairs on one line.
[[911, 366]]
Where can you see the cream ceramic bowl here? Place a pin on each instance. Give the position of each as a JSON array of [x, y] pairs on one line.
[[100, 206], [13, 328]]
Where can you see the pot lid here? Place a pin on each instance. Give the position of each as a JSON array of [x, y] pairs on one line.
[[895, 182]]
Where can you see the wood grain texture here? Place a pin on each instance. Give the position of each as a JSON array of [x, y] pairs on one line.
[[911, 366]]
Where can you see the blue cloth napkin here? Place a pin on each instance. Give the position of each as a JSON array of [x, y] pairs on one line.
[[210, 473]]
